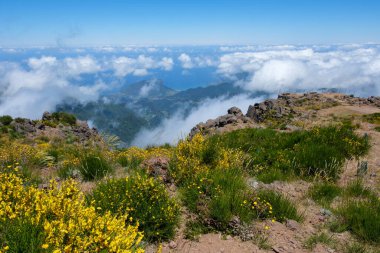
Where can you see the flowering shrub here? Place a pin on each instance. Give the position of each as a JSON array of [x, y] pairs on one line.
[[61, 220], [12, 152], [133, 156], [195, 156], [145, 199]]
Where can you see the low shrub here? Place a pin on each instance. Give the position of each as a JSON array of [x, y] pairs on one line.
[[196, 156], [143, 198], [57, 219], [6, 120], [222, 194], [64, 118]]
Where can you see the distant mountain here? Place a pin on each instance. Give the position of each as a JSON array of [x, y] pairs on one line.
[[144, 104]]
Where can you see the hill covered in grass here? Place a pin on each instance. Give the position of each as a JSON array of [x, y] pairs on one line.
[[300, 183]]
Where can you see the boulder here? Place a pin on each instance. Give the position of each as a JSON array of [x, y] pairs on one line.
[[234, 119]]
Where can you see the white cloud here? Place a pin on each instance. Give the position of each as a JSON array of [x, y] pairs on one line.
[[355, 69], [139, 66], [147, 88], [81, 65], [178, 126], [186, 61], [166, 63], [28, 91], [140, 72]]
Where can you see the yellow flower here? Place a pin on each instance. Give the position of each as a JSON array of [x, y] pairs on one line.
[[45, 246]]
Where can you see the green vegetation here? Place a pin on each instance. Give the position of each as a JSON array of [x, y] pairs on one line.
[[319, 153], [93, 164], [6, 120], [357, 189], [208, 174], [356, 248], [22, 236], [361, 217], [64, 118], [143, 198], [324, 192], [373, 118], [283, 208], [323, 238]]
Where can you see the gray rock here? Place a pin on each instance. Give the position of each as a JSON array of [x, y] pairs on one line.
[[325, 212], [292, 225], [172, 244], [46, 116], [235, 111]]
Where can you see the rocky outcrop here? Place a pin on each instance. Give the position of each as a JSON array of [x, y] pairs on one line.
[[301, 105], [269, 108], [233, 120], [280, 113], [80, 131]]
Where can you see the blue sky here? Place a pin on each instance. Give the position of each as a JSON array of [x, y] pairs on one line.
[[111, 22]]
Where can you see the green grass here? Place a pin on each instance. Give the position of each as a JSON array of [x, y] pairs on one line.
[[283, 208], [373, 118], [194, 229], [358, 190], [219, 195], [21, 236], [324, 192], [274, 155], [93, 165], [362, 218], [356, 248], [323, 238]]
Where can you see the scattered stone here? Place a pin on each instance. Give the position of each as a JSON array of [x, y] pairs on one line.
[[158, 167], [43, 186], [292, 225], [325, 212], [172, 244]]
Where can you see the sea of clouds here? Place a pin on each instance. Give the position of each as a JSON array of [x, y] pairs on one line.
[[36, 80]]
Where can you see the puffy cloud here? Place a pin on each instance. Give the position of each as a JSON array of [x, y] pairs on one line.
[[200, 61], [81, 65], [186, 61], [352, 69], [29, 90], [139, 66], [166, 63], [178, 126]]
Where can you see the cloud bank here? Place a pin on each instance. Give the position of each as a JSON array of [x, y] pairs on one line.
[[39, 85], [350, 68]]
